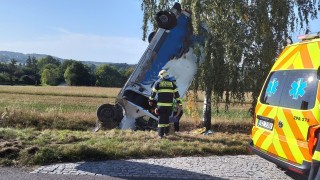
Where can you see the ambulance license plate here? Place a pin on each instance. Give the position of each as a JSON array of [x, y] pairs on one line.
[[265, 124]]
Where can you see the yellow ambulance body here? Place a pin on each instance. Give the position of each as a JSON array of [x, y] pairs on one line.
[[287, 114]]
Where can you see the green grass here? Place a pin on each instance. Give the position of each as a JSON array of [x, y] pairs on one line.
[[57, 94], [33, 147], [79, 91], [47, 107], [233, 114], [42, 125]]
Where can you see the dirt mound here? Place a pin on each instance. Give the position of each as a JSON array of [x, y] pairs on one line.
[[9, 149]]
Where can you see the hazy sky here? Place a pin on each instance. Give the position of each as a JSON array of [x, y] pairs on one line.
[[86, 30]]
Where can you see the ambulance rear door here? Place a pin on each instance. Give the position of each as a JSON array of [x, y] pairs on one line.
[[296, 113], [266, 113]]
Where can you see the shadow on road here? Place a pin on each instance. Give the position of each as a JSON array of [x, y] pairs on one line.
[[139, 170]]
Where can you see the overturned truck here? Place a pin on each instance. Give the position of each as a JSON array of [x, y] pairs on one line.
[[171, 48]]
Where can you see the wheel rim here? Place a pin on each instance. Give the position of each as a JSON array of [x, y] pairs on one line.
[[164, 18]]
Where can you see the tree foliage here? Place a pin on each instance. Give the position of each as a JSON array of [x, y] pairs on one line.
[[50, 75], [11, 69], [30, 72], [48, 60], [108, 76], [77, 75], [50, 71]]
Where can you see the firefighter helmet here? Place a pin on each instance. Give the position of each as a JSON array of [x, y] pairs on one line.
[[163, 73]]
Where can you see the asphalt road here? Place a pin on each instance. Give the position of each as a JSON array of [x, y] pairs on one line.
[[212, 167]]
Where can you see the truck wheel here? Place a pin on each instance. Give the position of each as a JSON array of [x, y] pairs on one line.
[[151, 35], [106, 114], [177, 6], [119, 113], [166, 20]]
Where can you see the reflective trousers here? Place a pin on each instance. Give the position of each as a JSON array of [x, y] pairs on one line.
[[176, 124], [163, 125]]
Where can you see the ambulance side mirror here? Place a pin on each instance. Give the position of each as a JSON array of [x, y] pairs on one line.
[[318, 73]]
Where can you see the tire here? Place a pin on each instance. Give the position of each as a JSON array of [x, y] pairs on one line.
[[107, 114], [151, 35], [177, 6], [166, 20], [119, 113]]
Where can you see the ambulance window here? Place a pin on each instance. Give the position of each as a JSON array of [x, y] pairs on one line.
[[300, 89], [272, 88]]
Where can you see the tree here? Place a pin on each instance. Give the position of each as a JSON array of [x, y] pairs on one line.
[[63, 67], [244, 39], [108, 76], [48, 60], [29, 62], [31, 66], [50, 75], [77, 75], [3, 70], [126, 73], [34, 65], [12, 68], [91, 70], [31, 72], [66, 64]]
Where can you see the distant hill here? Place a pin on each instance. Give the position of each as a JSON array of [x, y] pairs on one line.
[[6, 56]]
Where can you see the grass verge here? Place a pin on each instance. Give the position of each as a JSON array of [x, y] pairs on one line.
[[42, 125], [32, 147]]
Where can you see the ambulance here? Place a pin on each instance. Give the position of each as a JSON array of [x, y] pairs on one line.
[[287, 115]]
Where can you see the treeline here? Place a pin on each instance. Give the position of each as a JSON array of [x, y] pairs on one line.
[[53, 72]]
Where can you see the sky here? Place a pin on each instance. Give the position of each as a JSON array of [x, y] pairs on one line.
[[84, 30]]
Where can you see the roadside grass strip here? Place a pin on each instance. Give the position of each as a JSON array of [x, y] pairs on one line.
[[32, 147], [43, 125]]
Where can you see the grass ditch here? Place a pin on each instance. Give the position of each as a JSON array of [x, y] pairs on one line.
[[86, 121], [31, 138], [32, 147], [41, 121], [38, 128]]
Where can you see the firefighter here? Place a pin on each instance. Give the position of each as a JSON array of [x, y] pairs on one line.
[[166, 90], [177, 113]]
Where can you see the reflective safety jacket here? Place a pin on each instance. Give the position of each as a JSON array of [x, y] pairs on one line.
[[167, 91]]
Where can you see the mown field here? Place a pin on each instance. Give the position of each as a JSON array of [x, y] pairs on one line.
[[41, 125]]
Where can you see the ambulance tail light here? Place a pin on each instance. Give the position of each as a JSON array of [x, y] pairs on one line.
[[312, 137], [295, 170], [309, 36]]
